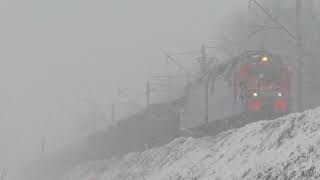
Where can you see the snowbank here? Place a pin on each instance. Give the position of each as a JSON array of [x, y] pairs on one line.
[[285, 148]]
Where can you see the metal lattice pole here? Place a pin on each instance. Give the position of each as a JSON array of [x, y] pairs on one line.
[[299, 56]]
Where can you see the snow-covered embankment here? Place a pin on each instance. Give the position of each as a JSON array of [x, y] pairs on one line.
[[285, 148]]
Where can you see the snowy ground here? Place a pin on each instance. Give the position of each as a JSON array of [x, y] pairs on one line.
[[285, 148]]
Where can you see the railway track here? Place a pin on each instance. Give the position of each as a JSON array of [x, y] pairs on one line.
[[216, 127]]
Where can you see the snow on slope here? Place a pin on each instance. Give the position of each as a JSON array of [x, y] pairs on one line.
[[285, 148]]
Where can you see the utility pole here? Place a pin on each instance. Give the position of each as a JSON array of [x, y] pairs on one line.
[[203, 61], [113, 113], [300, 64], [43, 143], [211, 77], [206, 99], [148, 93], [312, 9], [203, 68]]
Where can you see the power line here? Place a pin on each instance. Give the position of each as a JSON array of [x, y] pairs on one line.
[[169, 57], [275, 20]]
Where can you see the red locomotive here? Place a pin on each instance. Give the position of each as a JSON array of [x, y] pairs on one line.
[[262, 84]]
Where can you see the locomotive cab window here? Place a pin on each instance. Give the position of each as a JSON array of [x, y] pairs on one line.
[[267, 72]]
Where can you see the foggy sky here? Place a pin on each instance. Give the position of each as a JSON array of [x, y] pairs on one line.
[[53, 53]]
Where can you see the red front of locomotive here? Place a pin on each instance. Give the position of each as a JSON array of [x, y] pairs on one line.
[[264, 86]]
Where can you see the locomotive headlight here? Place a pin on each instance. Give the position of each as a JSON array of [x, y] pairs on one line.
[[264, 59], [255, 94], [279, 94]]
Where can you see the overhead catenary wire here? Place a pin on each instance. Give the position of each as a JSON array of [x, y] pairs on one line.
[[275, 20]]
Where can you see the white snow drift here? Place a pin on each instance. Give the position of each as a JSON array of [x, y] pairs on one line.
[[285, 148]]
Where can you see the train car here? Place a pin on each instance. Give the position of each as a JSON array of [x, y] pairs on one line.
[[262, 84]]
